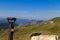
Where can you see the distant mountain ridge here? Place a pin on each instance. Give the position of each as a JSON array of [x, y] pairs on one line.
[[20, 21], [4, 22]]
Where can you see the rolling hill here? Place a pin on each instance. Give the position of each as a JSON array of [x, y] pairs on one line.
[[23, 32]]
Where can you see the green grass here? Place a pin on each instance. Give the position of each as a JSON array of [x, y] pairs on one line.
[[23, 32]]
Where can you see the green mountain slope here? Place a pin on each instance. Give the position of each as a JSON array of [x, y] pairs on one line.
[[23, 32]]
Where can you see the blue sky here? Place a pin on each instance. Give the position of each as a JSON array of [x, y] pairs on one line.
[[30, 9]]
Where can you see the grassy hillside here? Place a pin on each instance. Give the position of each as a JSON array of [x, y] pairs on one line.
[[23, 32]]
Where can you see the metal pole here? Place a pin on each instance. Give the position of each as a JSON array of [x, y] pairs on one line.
[[11, 31]]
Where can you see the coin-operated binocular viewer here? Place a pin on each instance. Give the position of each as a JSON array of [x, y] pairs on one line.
[[11, 22]]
